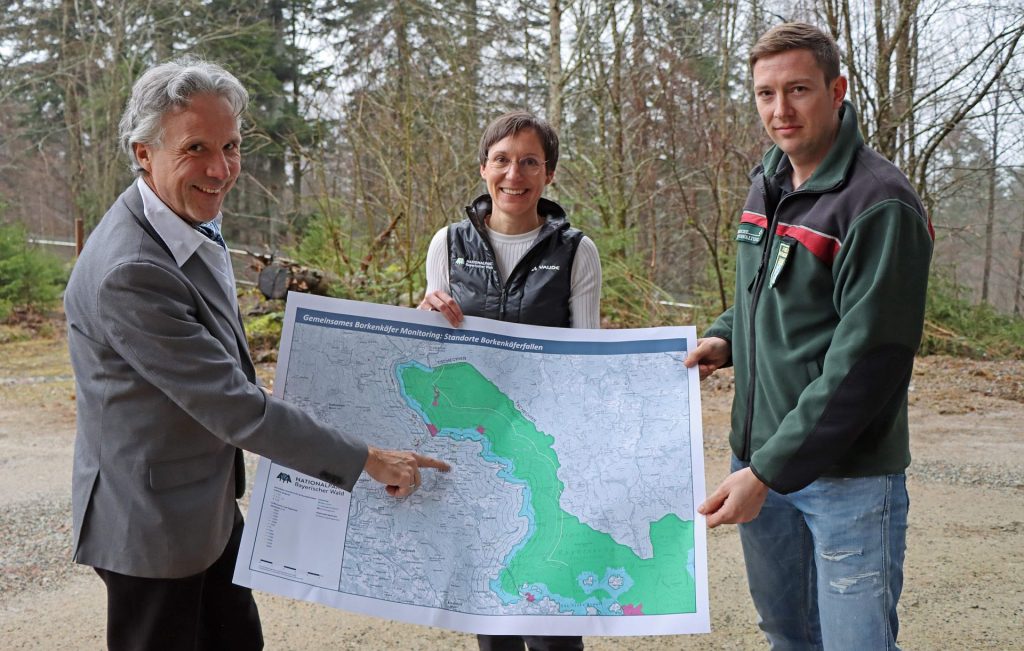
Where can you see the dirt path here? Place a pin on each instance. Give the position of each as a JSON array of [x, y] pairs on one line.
[[964, 569]]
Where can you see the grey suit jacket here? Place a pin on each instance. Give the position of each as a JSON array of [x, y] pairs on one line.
[[166, 396]]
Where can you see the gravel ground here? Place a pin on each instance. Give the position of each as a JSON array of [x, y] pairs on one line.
[[34, 537], [964, 569]]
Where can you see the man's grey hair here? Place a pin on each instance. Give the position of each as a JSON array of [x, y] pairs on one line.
[[169, 86]]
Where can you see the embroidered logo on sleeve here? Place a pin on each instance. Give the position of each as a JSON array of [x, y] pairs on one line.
[[749, 233]]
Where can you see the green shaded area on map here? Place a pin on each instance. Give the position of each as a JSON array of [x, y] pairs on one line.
[[561, 549]]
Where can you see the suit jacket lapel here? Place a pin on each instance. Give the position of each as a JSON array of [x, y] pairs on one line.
[[213, 291], [201, 276]]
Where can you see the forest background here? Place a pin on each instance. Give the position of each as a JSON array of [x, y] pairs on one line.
[[361, 138]]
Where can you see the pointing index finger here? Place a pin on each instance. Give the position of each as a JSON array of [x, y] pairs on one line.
[[430, 462]]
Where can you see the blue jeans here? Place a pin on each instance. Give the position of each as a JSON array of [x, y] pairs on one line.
[[825, 563]]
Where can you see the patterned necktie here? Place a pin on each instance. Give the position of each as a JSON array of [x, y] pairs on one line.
[[210, 230]]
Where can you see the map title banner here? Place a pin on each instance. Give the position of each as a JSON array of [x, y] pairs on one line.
[[476, 338]]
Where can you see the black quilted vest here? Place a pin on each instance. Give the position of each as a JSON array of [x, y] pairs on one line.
[[537, 291]]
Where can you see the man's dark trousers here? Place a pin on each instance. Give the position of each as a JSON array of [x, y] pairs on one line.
[[202, 612]]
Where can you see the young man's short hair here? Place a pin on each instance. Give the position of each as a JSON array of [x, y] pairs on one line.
[[799, 36]]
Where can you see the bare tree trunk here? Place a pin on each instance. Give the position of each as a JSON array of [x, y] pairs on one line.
[[525, 7], [404, 50], [903, 102], [885, 127], [1018, 286], [722, 173], [991, 216], [555, 81], [474, 44], [645, 174], [68, 79], [296, 153], [619, 152], [1018, 297], [276, 167]]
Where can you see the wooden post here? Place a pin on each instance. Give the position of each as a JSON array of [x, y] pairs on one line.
[[79, 236]]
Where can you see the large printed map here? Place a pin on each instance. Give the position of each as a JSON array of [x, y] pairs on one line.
[[576, 467]]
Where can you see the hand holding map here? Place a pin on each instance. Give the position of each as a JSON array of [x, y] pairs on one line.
[[440, 301]]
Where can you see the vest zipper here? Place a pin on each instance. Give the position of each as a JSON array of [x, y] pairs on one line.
[[523, 261]]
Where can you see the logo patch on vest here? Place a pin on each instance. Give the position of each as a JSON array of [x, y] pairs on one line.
[[546, 267], [475, 264]]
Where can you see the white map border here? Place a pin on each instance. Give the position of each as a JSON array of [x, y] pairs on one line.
[[697, 622]]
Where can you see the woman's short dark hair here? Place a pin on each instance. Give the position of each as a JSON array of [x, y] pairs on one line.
[[512, 123], [799, 36]]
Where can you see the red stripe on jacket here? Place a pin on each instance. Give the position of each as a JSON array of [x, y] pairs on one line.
[[754, 218], [824, 247]]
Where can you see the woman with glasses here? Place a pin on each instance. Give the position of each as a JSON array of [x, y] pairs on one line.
[[515, 258]]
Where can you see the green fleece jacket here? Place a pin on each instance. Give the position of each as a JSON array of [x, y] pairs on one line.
[[828, 313]]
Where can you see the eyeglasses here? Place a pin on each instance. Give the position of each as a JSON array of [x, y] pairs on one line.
[[528, 166]]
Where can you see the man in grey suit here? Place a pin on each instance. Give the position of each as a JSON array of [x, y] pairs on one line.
[[167, 393]]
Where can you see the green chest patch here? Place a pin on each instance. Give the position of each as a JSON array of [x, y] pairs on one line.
[[750, 233]]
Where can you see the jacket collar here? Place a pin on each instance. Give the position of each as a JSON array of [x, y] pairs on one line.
[[181, 238], [132, 199], [553, 214], [833, 169]]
